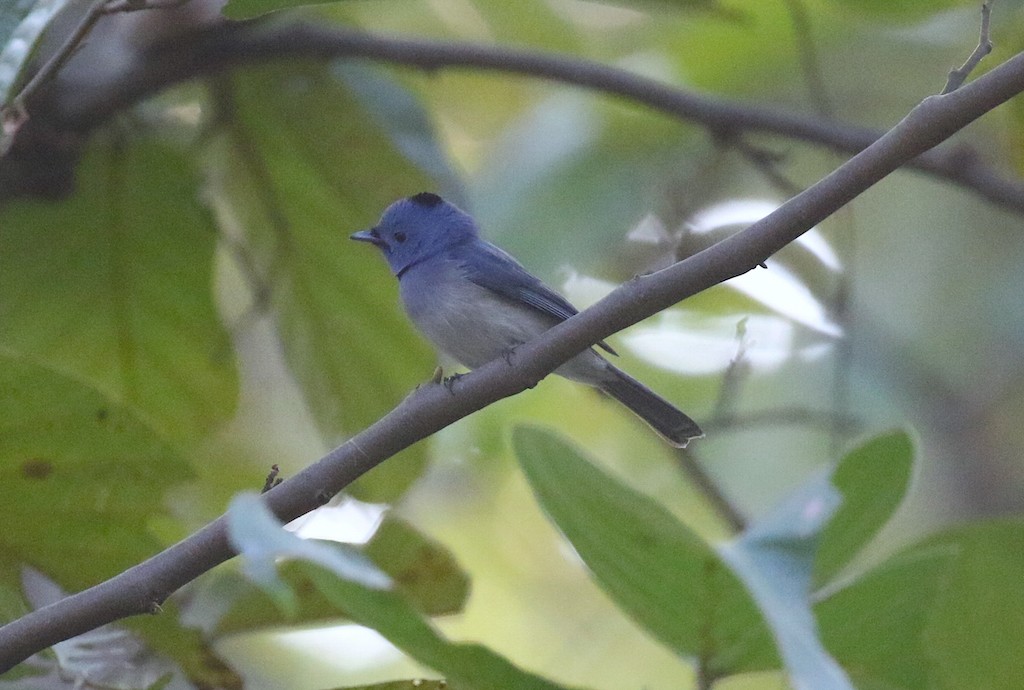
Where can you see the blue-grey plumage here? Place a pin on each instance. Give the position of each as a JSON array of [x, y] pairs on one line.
[[475, 303]]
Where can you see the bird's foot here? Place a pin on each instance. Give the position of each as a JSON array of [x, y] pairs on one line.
[[449, 382], [509, 354]]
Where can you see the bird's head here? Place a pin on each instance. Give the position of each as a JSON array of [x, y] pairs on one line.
[[417, 228]]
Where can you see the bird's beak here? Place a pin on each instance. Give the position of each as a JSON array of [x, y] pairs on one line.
[[367, 236]]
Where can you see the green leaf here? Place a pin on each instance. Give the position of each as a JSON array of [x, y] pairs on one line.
[[974, 636], [113, 287], [875, 626], [170, 635], [368, 603], [658, 571], [72, 451], [873, 480], [304, 167], [247, 9], [22, 22], [425, 573]]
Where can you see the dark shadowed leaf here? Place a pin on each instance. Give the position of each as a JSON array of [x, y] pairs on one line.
[[423, 570], [84, 477], [113, 286]]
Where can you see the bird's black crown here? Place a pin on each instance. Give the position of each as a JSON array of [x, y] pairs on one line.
[[428, 199]]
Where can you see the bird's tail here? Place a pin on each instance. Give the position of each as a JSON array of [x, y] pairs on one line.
[[657, 412]]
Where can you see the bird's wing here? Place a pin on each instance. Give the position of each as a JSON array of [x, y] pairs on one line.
[[496, 270]]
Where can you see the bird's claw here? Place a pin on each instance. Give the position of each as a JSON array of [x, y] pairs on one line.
[[508, 354], [449, 382]]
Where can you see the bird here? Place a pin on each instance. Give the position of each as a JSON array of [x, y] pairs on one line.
[[474, 302]]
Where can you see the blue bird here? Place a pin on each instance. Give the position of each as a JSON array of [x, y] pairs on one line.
[[476, 303]]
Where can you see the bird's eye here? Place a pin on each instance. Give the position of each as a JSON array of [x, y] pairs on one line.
[[400, 236]]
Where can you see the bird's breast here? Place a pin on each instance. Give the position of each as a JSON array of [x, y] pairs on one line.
[[465, 321]]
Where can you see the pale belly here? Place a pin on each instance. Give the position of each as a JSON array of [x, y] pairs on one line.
[[473, 325]]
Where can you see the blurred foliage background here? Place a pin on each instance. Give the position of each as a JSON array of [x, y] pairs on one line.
[[188, 311]]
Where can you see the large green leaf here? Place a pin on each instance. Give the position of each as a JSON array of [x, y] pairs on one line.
[[876, 625], [303, 167], [688, 596], [368, 597], [84, 477], [658, 571], [975, 635], [113, 286], [873, 480]]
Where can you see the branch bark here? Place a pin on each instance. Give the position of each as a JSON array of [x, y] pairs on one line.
[[432, 407], [722, 118], [223, 46]]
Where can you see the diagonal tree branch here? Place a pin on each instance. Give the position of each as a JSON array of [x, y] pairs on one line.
[[223, 46], [430, 408]]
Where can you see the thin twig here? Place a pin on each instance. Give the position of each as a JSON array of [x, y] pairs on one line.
[[57, 60], [846, 240], [766, 162], [959, 75], [810, 64], [734, 375], [64, 52], [707, 488], [115, 6]]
